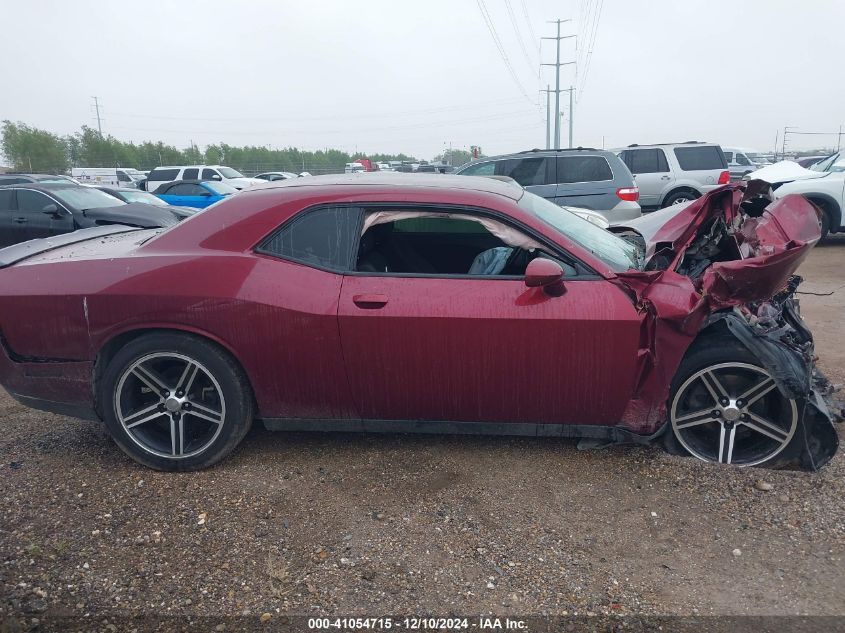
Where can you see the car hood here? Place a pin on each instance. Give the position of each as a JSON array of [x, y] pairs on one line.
[[137, 214], [736, 244], [244, 183], [784, 171]]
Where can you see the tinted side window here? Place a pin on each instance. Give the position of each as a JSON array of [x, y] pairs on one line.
[[191, 174], [526, 171], [11, 180], [208, 174], [32, 201], [646, 161], [323, 238], [741, 159], [583, 169], [122, 177], [6, 199], [484, 169], [698, 158], [729, 156], [185, 189], [163, 174]]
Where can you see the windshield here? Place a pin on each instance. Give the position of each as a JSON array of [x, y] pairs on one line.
[[220, 188], [86, 198], [618, 254], [143, 196], [228, 172], [827, 164]]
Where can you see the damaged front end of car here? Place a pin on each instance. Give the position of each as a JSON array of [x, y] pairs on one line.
[[726, 263]]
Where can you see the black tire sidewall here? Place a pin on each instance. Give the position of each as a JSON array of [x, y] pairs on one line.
[[689, 195], [226, 371]]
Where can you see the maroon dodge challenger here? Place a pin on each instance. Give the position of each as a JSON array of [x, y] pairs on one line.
[[450, 304]]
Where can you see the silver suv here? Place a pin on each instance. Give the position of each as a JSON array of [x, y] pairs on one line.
[[673, 173], [583, 177]]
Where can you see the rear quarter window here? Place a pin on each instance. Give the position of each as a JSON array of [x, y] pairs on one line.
[[163, 174], [484, 169], [321, 238], [571, 169], [700, 158], [526, 171]]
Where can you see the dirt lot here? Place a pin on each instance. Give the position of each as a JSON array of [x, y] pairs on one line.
[[351, 524]]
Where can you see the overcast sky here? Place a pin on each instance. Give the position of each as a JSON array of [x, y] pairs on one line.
[[413, 77]]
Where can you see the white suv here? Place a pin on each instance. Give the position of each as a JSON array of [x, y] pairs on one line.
[[673, 173], [217, 173]]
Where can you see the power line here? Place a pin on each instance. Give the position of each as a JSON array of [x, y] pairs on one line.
[[591, 47], [534, 37], [485, 14], [515, 25]]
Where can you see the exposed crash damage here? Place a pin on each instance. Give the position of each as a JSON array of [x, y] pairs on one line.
[[723, 266]]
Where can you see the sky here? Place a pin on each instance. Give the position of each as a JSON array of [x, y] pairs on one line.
[[418, 77]]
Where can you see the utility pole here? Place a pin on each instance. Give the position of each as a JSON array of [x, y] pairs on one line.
[[557, 66], [97, 108], [548, 92]]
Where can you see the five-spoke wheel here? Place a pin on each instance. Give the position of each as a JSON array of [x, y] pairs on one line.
[[733, 413], [175, 402]]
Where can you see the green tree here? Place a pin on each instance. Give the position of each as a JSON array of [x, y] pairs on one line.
[[455, 157], [33, 150]]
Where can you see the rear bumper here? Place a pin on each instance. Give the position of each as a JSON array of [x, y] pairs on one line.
[[57, 386]]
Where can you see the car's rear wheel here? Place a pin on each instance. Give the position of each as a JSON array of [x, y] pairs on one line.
[[726, 408], [679, 197], [175, 402]]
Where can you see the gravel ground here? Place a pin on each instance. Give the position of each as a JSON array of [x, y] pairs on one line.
[[378, 524]]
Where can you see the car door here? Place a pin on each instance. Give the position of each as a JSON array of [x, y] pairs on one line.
[[585, 181], [480, 348], [37, 215], [7, 198], [651, 173], [184, 194]]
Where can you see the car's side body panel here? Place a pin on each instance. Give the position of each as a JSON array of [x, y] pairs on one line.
[[488, 349]]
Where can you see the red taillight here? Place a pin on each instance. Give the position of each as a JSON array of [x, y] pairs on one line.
[[631, 194], [724, 177]]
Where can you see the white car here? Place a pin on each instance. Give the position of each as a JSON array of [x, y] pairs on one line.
[[217, 173], [823, 184]]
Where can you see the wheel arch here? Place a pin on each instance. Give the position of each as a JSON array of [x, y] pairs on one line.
[[119, 339], [678, 188], [828, 204]]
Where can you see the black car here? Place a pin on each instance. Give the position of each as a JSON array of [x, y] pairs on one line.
[[29, 211], [134, 195], [44, 179]]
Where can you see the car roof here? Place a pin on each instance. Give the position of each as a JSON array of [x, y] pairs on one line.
[[681, 144], [45, 186], [19, 174], [542, 152], [400, 180]]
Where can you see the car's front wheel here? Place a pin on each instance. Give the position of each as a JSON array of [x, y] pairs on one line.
[[726, 408], [175, 402]]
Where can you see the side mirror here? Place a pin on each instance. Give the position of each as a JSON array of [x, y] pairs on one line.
[[51, 210], [546, 274], [217, 177]]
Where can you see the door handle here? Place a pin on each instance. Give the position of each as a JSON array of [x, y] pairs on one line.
[[20, 220], [664, 178], [370, 302]]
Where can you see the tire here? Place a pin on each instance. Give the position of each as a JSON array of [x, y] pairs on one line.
[[677, 197], [825, 223], [175, 402], [750, 432]]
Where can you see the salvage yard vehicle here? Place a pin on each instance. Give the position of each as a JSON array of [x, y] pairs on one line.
[[44, 179], [115, 177], [450, 304], [136, 195], [271, 176], [218, 173], [583, 177], [673, 173], [194, 193], [31, 211]]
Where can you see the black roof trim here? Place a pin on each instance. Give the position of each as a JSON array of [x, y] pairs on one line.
[[663, 144]]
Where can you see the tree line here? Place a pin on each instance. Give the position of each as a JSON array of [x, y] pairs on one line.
[[30, 149]]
